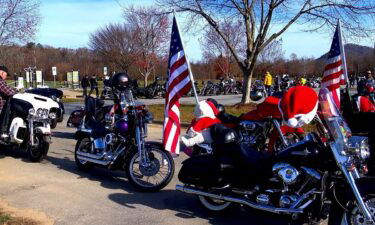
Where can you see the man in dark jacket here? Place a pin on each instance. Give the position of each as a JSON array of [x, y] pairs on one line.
[[5, 93], [85, 83], [94, 85]]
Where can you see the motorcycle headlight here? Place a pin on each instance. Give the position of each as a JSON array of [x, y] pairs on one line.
[[45, 113], [39, 112], [358, 145], [52, 116], [31, 112]]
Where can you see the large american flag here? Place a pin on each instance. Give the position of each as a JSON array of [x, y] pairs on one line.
[[179, 84], [335, 69]]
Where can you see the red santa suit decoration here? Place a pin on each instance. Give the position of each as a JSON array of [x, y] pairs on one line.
[[364, 104], [199, 131], [298, 106]]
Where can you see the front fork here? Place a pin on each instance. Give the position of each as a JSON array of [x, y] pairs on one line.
[[140, 139], [352, 176]]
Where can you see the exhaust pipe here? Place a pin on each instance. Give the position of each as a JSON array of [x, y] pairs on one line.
[[100, 162], [92, 156], [246, 202]]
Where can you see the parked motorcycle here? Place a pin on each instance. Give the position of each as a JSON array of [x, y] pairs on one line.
[[308, 180], [258, 91], [120, 144], [30, 129], [156, 89]]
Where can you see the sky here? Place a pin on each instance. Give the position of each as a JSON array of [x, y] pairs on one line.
[[68, 23]]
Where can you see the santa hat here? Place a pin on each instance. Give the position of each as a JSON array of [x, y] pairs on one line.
[[205, 109], [298, 106]]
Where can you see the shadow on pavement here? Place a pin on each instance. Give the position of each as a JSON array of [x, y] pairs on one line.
[[188, 207], [107, 178], [64, 135]]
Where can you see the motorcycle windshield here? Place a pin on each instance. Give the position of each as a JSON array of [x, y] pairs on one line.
[[338, 129], [126, 99]]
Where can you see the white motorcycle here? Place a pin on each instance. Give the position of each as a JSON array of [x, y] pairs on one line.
[[29, 128]]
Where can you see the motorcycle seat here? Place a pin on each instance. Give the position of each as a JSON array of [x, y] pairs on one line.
[[223, 135], [98, 129]]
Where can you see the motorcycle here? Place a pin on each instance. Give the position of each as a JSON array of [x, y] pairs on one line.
[[231, 87], [258, 91], [308, 181], [155, 89], [29, 128], [107, 93], [120, 143]]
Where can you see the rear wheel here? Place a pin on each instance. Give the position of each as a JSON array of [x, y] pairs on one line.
[[53, 123], [214, 204], [39, 151], [83, 145]]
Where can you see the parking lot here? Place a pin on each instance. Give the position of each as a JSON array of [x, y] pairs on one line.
[[69, 196]]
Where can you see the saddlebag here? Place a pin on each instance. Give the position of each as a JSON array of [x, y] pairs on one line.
[[202, 170]]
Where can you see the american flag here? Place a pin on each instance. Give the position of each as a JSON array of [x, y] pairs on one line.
[[335, 70], [179, 84]]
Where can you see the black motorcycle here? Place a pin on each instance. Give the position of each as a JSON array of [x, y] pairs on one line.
[[156, 89], [307, 181], [258, 91], [119, 143]]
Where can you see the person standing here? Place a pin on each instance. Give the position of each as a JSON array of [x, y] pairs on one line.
[[268, 83], [5, 93], [85, 83], [94, 85]]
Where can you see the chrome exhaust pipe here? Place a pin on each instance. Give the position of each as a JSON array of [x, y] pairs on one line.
[[89, 155], [88, 159], [246, 202]]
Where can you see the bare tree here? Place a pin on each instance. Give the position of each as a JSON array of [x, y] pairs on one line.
[[150, 31], [266, 20], [215, 49], [115, 44], [18, 20], [272, 52]]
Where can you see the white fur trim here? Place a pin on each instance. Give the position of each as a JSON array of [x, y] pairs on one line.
[[300, 120], [203, 109]]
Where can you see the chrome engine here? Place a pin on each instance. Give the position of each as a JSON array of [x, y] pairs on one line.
[[104, 150], [252, 133], [292, 183]]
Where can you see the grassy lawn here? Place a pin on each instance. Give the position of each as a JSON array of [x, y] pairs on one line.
[[7, 219], [187, 111]]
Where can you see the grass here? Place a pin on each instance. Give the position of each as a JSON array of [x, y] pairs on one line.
[[7, 219], [72, 100], [187, 111]]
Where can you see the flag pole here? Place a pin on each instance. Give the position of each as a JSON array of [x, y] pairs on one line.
[[187, 60], [342, 49]]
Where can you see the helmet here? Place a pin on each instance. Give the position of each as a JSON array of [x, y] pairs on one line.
[[120, 81], [369, 88], [256, 95]]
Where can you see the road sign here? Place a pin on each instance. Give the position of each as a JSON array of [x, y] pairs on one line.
[[39, 76], [105, 71], [54, 71]]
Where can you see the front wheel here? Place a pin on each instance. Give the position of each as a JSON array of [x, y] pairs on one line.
[[39, 151], [156, 174], [352, 215]]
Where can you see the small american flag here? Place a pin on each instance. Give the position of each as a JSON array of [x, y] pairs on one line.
[[179, 84], [335, 70]]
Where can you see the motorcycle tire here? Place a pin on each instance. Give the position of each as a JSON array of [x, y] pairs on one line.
[[134, 178], [82, 165], [351, 215], [53, 123], [38, 153], [214, 205], [60, 119]]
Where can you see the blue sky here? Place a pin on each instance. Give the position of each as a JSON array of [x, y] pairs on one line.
[[68, 23]]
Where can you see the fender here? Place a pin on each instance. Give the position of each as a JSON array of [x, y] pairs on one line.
[[80, 134]]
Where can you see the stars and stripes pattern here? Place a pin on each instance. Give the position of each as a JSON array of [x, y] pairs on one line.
[[334, 71], [179, 84]]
